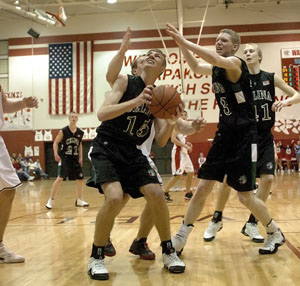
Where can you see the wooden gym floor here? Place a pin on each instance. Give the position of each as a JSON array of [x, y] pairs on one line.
[[57, 243]]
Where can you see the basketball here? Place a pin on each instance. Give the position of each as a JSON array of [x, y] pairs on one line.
[[165, 100]]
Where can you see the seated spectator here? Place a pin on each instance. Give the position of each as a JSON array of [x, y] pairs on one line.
[[35, 169], [23, 175], [297, 153], [279, 153], [288, 156], [14, 156], [23, 162]]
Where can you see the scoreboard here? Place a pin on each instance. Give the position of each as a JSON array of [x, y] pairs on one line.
[[290, 62]]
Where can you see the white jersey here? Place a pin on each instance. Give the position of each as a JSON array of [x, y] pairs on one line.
[[147, 145], [182, 139], [146, 150], [181, 161], [8, 176]]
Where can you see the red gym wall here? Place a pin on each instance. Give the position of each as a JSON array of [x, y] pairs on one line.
[[16, 140]]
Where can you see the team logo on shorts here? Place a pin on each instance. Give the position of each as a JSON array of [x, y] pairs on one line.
[[243, 180], [151, 173], [269, 166]]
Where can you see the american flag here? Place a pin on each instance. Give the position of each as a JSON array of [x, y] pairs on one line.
[[70, 78]]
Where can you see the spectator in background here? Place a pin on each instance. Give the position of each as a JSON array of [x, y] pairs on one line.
[[14, 156], [23, 175], [201, 159], [288, 156], [23, 162], [35, 169], [279, 157], [297, 153]]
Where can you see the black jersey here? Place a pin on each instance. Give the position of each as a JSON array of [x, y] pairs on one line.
[[235, 100], [263, 89], [69, 146], [134, 126]]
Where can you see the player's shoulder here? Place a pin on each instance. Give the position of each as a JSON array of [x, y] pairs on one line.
[[267, 74], [65, 129], [80, 131]]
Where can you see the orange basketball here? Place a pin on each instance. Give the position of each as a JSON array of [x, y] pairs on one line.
[[165, 100]]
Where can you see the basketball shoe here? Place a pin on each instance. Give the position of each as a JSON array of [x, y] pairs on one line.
[[188, 196], [180, 238], [6, 256], [212, 229], [81, 203], [250, 229], [140, 247], [173, 263], [50, 204], [97, 269], [168, 198], [273, 241]]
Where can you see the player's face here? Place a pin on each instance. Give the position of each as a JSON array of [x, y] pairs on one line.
[[250, 55], [73, 118], [224, 45], [184, 115], [155, 60]]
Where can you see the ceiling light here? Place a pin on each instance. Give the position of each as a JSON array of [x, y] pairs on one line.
[[18, 8], [111, 1], [16, 2]]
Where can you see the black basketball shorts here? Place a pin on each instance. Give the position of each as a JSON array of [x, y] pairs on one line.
[[70, 168], [233, 154], [266, 157], [122, 162]]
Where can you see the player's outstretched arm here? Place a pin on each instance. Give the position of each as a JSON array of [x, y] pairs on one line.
[[10, 106], [188, 127], [294, 96], [211, 57], [111, 108], [116, 63]]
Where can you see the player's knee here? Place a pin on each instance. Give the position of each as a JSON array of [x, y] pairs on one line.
[[202, 191], [154, 194], [115, 203], [245, 198], [267, 179]]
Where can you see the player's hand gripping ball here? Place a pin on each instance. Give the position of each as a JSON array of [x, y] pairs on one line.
[[165, 100]]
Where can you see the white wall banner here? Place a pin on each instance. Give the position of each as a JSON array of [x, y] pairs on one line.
[[21, 120]]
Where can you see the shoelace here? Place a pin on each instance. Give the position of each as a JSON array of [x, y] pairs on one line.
[[99, 263], [145, 244]]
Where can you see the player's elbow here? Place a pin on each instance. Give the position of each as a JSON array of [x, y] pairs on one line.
[[101, 115]]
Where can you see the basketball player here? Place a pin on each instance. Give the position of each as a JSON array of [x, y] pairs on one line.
[[8, 177], [70, 159], [233, 152], [139, 245], [181, 162], [263, 89], [120, 167]]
